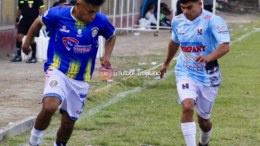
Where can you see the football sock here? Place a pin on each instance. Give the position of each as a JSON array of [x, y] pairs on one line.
[[33, 50], [204, 136], [60, 143], [36, 136], [189, 132], [18, 47]]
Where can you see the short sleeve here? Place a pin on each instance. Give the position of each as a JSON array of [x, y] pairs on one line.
[[40, 4], [19, 6], [48, 18], [108, 30], [220, 30], [174, 33]]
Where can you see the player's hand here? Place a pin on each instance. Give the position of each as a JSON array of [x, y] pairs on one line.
[[105, 61], [16, 25], [26, 49], [201, 58], [163, 70]]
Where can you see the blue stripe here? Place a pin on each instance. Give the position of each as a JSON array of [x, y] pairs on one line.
[[72, 118], [53, 95]]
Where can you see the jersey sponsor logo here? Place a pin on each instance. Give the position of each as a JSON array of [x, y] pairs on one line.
[[199, 32], [72, 43], [79, 33], [181, 32], [94, 31], [185, 86], [193, 48], [221, 27], [45, 13], [196, 67], [69, 42], [63, 29], [207, 17], [53, 83], [82, 48]]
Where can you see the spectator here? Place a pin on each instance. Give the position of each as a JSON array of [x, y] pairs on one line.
[[208, 5], [73, 2], [30, 10], [150, 16]]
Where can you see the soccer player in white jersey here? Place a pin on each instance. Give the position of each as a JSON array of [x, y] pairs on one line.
[[203, 38]]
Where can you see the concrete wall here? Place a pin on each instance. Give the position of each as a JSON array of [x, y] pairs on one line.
[[8, 41]]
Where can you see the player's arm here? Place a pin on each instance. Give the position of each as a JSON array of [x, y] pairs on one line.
[[108, 51], [218, 53], [172, 50], [36, 26], [18, 14], [41, 10], [41, 7]]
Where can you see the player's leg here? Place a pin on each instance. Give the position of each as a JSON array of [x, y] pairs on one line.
[[33, 45], [204, 105], [188, 93], [205, 126], [65, 130], [54, 95], [33, 58], [71, 109], [19, 38], [20, 34], [50, 105]]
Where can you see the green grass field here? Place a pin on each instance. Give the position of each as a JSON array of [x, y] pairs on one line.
[[152, 114]]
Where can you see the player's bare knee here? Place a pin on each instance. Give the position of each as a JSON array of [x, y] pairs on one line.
[[204, 122], [49, 110], [188, 109]]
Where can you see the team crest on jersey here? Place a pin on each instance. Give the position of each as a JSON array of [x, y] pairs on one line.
[[69, 42], [53, 83], [79, 33], [30, 5], [199, 32], [94, 31]]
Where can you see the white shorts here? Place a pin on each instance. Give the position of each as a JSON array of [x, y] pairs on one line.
[[204, 96], [72, 93]]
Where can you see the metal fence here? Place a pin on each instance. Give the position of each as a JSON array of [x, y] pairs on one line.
[[8, 9]]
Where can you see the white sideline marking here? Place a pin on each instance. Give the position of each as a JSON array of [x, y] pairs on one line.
[[119, 96]]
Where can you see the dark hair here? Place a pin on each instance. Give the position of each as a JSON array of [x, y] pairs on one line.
[[185, 1], [95, 2]]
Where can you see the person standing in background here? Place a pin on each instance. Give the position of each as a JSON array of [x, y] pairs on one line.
[[30, 10], [208, 5]]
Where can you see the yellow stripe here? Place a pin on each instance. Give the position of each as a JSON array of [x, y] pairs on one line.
[[30, 2], [21, 2], [43, 23], [73, 69], [42, 6], [56, 62], [112, 36], [88, 71], [17, 7]]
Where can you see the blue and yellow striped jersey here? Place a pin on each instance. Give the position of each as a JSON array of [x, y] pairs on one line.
[[73, 45]]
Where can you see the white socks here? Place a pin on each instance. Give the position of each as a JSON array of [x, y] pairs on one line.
[[189, 132], [204, 136], [36, 136]]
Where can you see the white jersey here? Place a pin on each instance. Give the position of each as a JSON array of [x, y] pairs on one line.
[[199, 37]]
